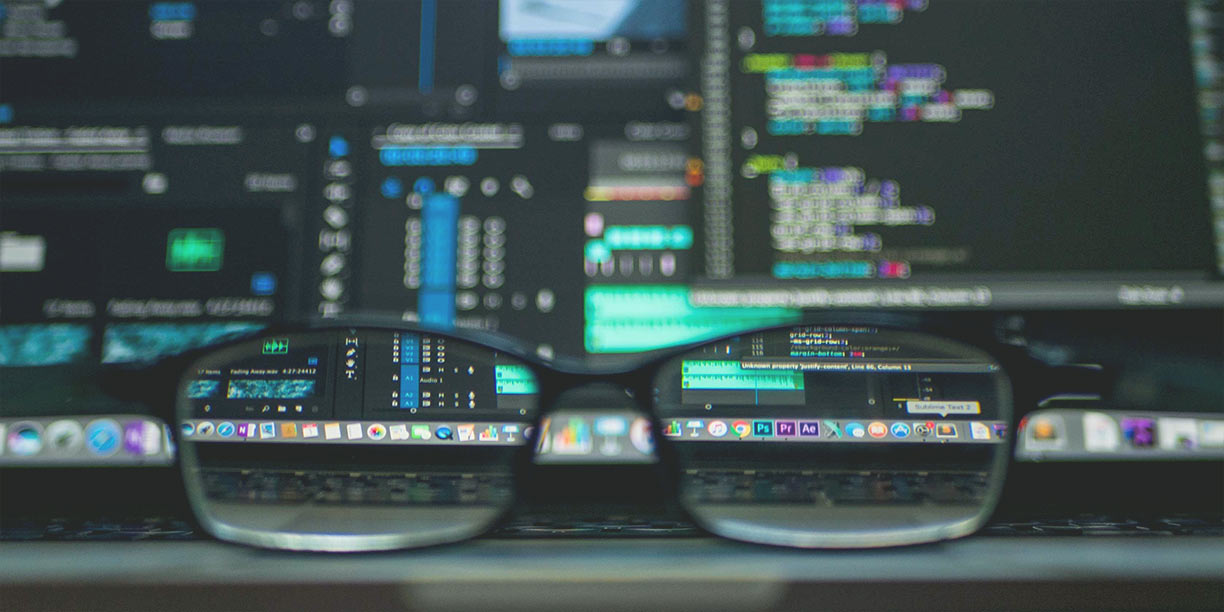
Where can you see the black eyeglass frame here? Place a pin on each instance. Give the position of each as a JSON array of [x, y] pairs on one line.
[[557, 376]]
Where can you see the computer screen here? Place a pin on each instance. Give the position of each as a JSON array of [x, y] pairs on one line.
[[595, 177]]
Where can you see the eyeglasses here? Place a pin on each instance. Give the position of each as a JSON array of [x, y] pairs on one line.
[[374, 438]]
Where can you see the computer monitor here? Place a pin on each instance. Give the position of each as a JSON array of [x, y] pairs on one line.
[[595, 177]]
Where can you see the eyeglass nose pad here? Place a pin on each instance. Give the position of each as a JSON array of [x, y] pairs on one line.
[[596, 423]]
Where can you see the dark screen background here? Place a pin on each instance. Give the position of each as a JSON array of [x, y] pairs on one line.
[[1090, 159]]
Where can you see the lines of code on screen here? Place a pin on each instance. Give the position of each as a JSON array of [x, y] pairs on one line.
[[1027, 137]]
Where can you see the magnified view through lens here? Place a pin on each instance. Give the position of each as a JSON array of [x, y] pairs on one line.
[[823, 436], [352, 440]]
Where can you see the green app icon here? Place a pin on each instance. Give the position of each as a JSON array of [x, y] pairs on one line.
[[194, 249]]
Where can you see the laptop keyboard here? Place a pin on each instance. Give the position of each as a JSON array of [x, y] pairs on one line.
[[710, 486], [835, 488], [271, 486], [1095, 525], [171, 529], [96, 530]]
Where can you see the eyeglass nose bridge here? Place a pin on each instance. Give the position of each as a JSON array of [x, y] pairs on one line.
[[591, 395]]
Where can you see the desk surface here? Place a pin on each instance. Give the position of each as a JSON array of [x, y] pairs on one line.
[[700, 573]]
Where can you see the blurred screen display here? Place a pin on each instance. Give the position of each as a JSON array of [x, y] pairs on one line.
[[596, 178]]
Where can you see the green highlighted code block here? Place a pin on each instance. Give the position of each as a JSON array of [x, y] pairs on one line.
[[195, 249], [703, 374], [631, 318]]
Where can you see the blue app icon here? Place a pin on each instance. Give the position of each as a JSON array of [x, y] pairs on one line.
[[855, 430], [188, 429], [263, 283], [337, 147], [392, 188], [225, 429], [900, 430], [103, 436], [762, 429], [443, 433], [611, 426], [423, 185]]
